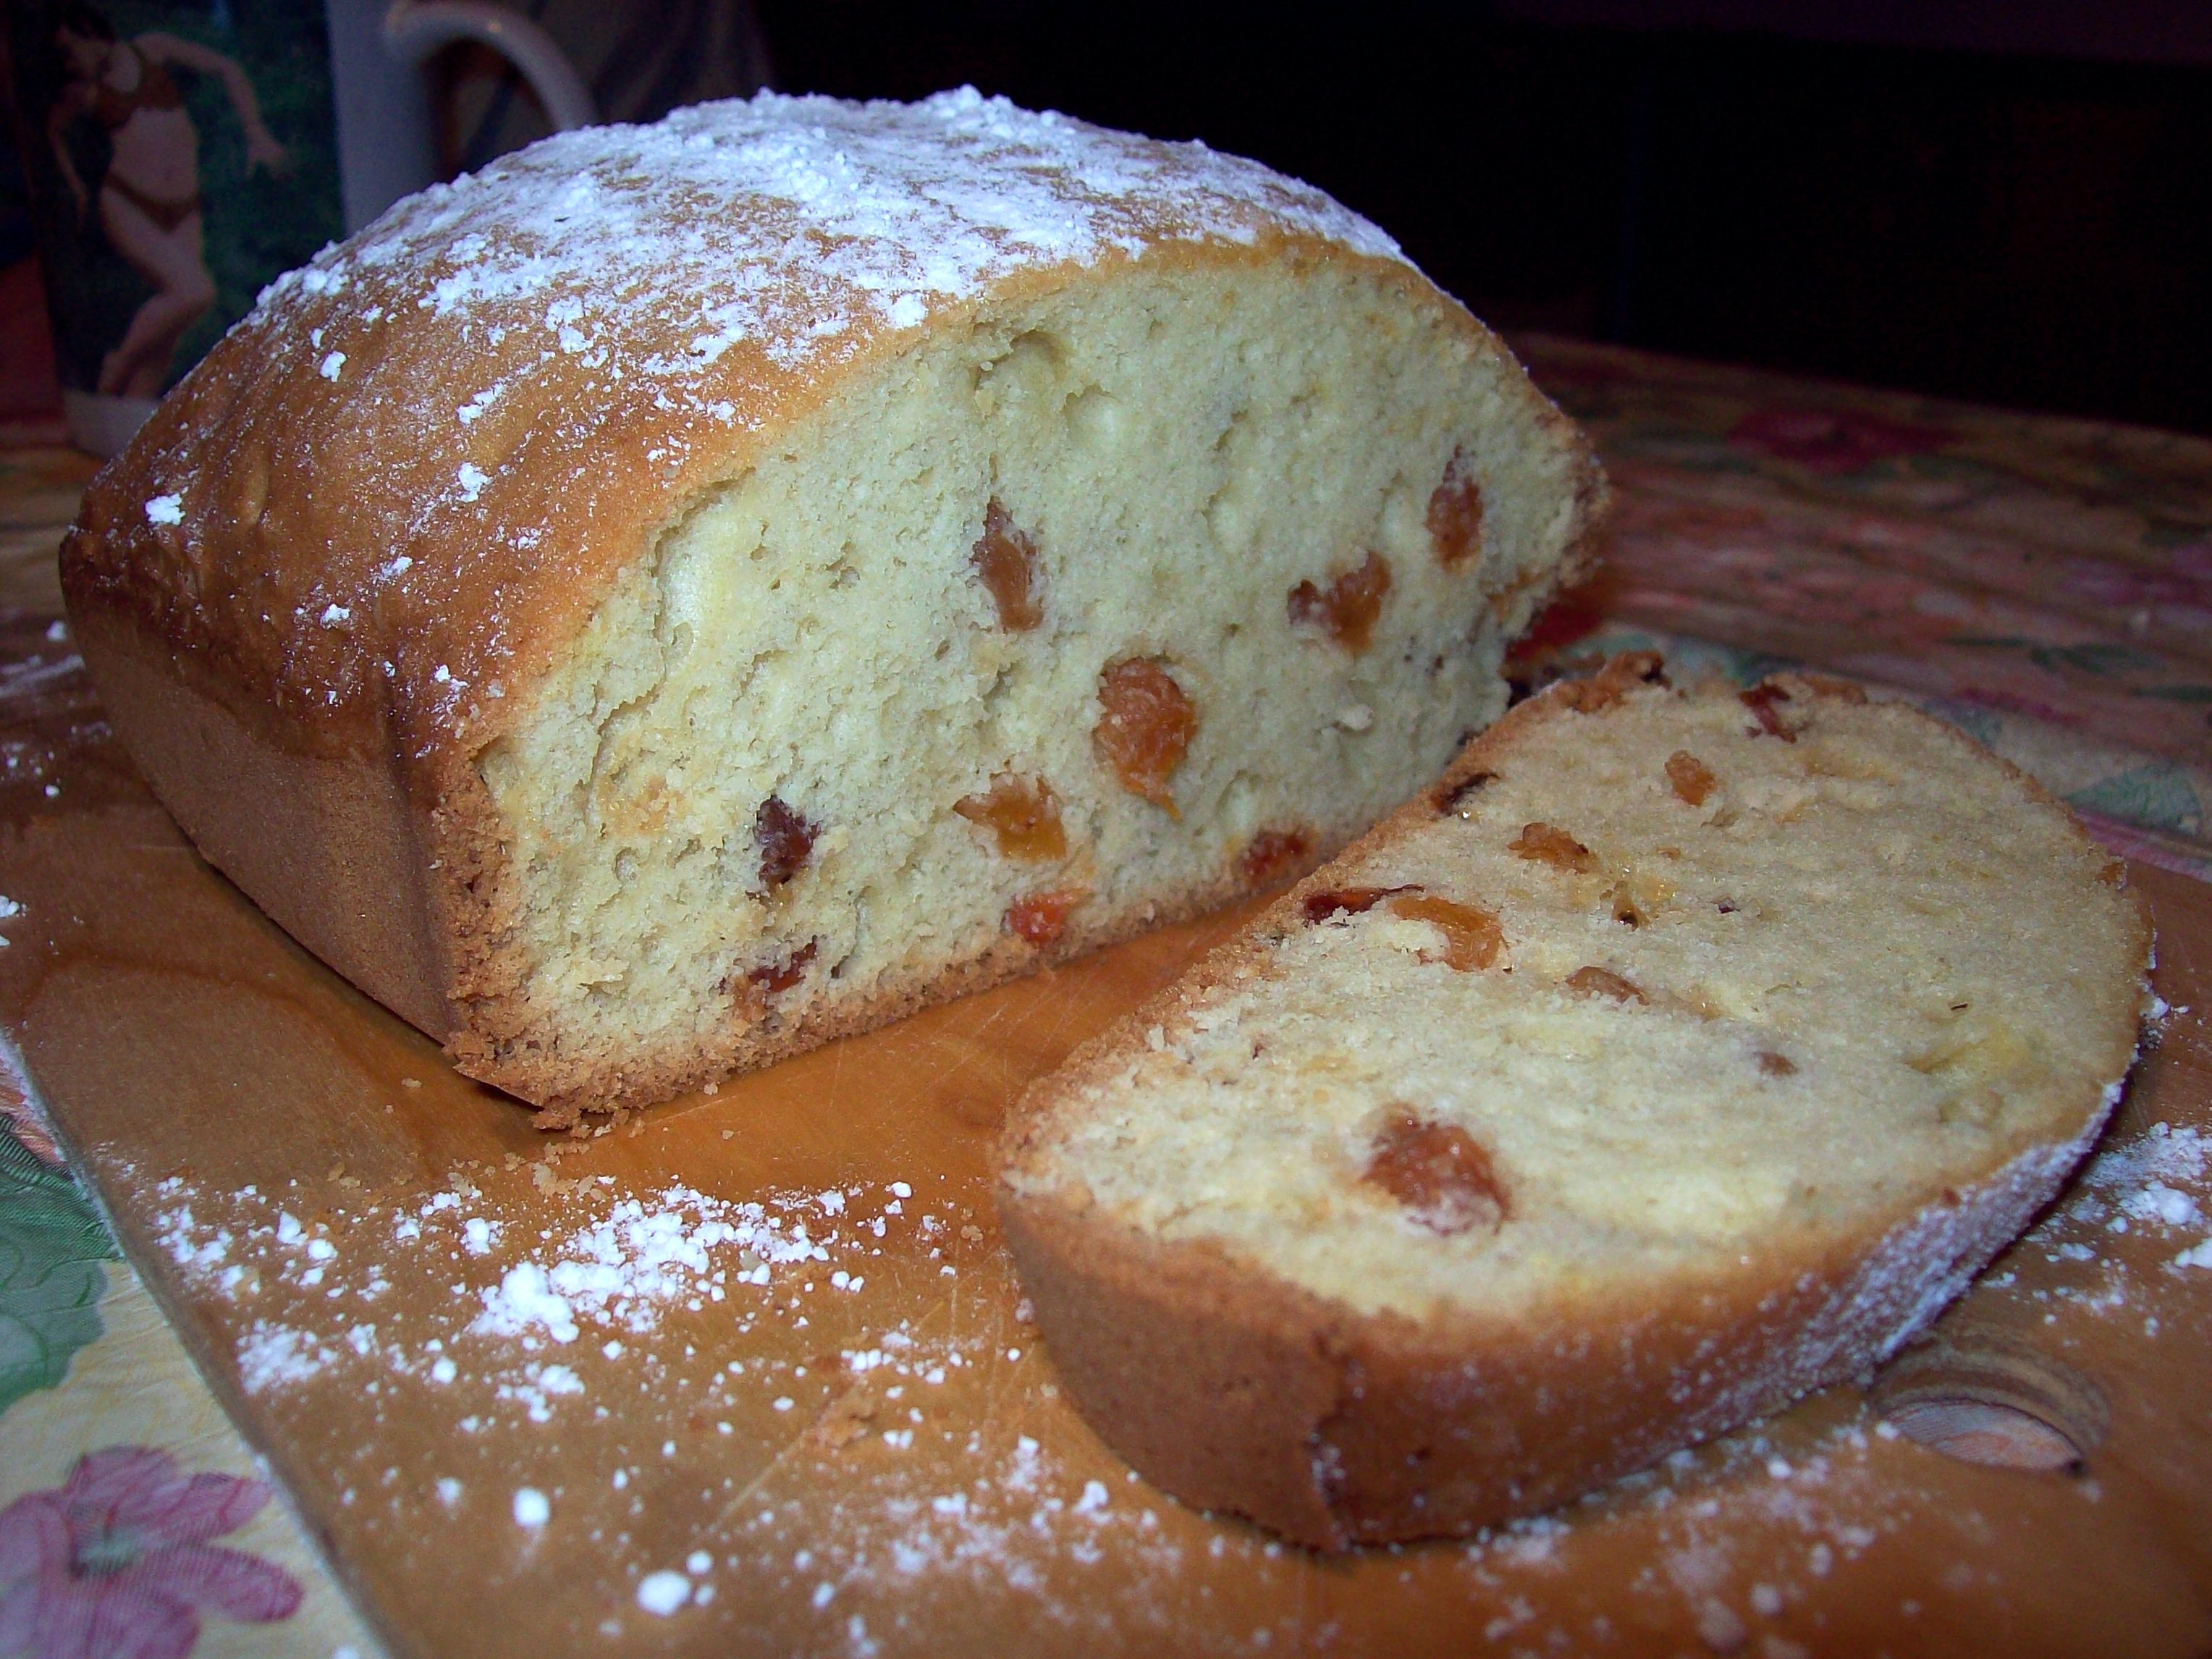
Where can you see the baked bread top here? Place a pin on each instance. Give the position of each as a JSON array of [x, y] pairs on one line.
[[1658, 982], [390, 496]]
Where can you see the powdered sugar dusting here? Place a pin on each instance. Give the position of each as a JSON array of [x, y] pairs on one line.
[[645, 254], [2158, 1185], [273, 1356], [1021, 1519], [1734, 1533], [566, 1325], [622, 1271], [2166, 1154], [879, 209]]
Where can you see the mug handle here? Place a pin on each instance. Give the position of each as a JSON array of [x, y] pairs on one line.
[[413, 29]]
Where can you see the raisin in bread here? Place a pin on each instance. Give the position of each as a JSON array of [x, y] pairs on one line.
[[1680, 1053], [688, 592]]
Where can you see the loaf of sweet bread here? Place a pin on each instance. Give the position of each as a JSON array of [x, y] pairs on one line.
[[1680, 1053], [686, 592]]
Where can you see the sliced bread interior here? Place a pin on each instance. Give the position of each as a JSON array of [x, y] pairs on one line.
[[1684, 1050]]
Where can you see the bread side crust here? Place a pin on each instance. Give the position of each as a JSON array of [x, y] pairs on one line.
[[330, 846], [1232, 1388]]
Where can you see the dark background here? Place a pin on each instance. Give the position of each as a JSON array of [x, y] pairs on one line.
[[2009, 201], [2006, 200]]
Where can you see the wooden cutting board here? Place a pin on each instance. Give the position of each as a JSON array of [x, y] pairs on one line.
[[752, 1373]]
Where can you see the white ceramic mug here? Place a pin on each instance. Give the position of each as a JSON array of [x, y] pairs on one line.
[[188, 163], [386, 143]]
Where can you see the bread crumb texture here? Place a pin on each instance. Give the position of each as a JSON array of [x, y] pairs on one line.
[[1018, 620], [1774, 972]]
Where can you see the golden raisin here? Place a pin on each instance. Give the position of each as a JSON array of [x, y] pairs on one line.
[[1620, 674], [1456, 513], [1021, 813], [1005, 561], [1471, 936], [786, 839], [782, 975], [1773, 1065], [1760, 700], [1144, 728], [1541, 843], [1438, 1171], [1347, 609], [1693, 778], [1041, 918], [1270, 854], [1347, 901], [1598, 982]]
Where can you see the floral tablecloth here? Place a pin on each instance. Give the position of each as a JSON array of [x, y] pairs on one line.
[[2044, 584]]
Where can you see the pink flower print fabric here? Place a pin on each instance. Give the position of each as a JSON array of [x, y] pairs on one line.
[[117, 1562]]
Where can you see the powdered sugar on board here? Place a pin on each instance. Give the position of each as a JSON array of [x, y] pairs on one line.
[[595, 1326], [521, 1298], [2154, 1187]]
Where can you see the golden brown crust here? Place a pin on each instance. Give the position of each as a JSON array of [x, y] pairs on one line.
[[1591, 513], [1233, 1389], [332, 434]]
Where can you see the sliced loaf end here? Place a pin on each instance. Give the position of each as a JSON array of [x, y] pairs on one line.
[[1682, 1052]]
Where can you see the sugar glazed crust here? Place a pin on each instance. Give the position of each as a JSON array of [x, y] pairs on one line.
[[1234, 1389], [317, 586]]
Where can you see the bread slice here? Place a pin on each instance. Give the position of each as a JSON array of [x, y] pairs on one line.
[[689, 592], [1682, 1052]]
